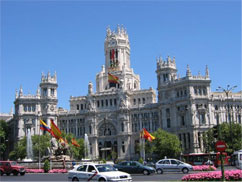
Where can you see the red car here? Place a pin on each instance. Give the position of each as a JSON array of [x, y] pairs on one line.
[[8, 167]]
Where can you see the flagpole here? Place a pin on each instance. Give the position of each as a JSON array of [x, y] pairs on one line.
[[39, 138], [144, 149]]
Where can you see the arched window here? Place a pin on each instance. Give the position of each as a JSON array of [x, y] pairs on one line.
[[90, 129], [122, 127]]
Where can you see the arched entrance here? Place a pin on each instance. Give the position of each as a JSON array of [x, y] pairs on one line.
[[107, 141]]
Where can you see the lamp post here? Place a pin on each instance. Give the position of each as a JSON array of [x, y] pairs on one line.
[[227, 91]]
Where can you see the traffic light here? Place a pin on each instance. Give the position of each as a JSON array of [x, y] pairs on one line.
[[215, 131]]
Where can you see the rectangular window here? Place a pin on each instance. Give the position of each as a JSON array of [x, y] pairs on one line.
[[52, 91], [185, 141], [168, 123], [111, 102], [102, 103], [134, 101], [98, 103], [45, 92], [183, 120], [106, 102], [123, 147], [189, 140], [77, 107], [143, 100], [167, 112], [115, 102]]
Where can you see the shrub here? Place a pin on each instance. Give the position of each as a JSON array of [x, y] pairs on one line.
[[232, 175], [204, 168], [103, 161], [46, 166], [141, 160]]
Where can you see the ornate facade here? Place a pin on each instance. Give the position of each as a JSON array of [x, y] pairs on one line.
[[114, 114]]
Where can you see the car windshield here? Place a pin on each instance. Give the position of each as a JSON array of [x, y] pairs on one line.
[[105, 168], [14, 163]]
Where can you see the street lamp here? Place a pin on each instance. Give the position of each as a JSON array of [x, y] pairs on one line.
[[227, 91]]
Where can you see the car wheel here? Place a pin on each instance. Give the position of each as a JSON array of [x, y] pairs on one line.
[[15, 173], [185, 170], [22, 174], [146, 172], [159, 171], [75, 179], [101, 179]]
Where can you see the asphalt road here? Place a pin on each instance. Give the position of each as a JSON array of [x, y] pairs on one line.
[[168, 176], [63, 177]]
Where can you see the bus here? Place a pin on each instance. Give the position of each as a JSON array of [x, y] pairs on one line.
[[204, 158], [236, 159]]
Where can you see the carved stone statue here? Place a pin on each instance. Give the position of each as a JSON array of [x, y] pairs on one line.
[[59, 150], [122, 103], [90, 106]]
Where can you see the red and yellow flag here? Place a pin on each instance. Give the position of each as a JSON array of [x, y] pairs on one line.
[[74, 142], [55, 131], [112, 78], [145, 134]]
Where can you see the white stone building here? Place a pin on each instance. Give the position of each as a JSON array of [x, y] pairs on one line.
[[115, 113]]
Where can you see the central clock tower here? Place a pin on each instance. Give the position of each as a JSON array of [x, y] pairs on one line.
[[117, 50], [117, 63]]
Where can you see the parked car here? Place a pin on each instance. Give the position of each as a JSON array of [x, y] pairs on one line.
[[134, 167], [167, 165], [97, 172], [8, 167]]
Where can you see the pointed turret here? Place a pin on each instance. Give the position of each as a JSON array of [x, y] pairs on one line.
[[20, 91], [188, 73], [90, 88], [207, 72], [38, 92], [16, 93]]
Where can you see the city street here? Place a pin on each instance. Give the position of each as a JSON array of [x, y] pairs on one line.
[[169, 176], [63, 177]]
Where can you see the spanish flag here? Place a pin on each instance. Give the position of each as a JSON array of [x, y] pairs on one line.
[[74, 142], [44, 127], [145, 134], [112, 78], [55, 131]]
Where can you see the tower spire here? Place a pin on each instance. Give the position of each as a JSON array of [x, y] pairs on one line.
[[188, 74], [207, 72]]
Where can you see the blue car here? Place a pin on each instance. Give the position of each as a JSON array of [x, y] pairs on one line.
[[134, 167]]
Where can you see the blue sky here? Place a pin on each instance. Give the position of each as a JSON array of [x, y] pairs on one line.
[[68, 37]]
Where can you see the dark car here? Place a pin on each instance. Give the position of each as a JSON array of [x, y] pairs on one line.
[[134, 167], [8, 167]]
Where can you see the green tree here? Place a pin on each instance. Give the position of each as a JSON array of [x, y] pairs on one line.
[[3, 137], [19, 151], [75, 152], [165, 144], [41, 143], [231, 134]]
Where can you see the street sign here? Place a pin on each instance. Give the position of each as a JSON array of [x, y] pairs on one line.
[[220, 146]]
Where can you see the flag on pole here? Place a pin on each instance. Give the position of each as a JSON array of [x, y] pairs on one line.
[[112, 54], [74, 142], [44, 126], [55, 131], [112, 78], [145, 134]]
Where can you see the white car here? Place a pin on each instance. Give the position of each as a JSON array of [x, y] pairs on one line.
[[172, 165], [97, 172]]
